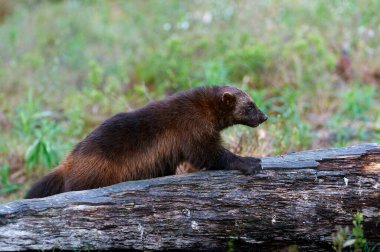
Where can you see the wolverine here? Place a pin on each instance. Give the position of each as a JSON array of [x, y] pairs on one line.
[[153, 140]]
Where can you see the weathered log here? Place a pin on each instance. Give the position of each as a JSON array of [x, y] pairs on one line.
[[298, 198]]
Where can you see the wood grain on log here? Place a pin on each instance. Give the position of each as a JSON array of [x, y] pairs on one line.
[[298, 198]]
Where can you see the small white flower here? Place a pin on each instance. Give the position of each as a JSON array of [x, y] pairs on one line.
[[207, 17], [371, 33], [361, 30], [167, 26], [184, 25]]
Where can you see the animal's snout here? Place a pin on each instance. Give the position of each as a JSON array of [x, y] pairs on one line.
[[265, 117]]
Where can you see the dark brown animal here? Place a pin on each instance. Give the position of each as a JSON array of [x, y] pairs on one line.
[[153, 140]]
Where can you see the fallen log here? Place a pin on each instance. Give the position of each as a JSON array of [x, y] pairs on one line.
[[298, 198]]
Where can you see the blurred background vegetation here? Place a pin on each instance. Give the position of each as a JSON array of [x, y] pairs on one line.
[[65, 66]]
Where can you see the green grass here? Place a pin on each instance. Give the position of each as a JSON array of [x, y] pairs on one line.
[[67, 65]]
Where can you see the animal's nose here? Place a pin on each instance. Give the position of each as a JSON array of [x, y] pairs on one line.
[[265, 117]]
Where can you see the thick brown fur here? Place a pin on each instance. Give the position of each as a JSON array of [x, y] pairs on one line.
[[186, 167], [153, 140]]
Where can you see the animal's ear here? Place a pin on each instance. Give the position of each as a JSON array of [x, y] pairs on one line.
[[228, 99]]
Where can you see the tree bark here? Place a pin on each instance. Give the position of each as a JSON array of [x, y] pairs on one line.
[[298, 198]]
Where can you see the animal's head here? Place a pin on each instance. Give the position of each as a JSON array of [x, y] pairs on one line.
[[239, 108]]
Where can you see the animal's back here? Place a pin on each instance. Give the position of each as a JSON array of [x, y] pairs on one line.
[[128, 146]]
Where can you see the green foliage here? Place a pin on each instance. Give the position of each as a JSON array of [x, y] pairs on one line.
[[6, 186], [67, 65], [358, 104], [169, 67], [249, 61], [293, 248], [215, 72], [357, 231], [290, 131], [357, 101], [39, 153], [25, 121], [230, 246], [345, 239], [95, 74], [41, 129]]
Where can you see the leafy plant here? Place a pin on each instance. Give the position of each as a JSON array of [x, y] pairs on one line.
[[345, 239], [215, 73], [230, 245], [95, 74], [6, 185], [357, 101], [250, 61], [40, 128], [40, 153]]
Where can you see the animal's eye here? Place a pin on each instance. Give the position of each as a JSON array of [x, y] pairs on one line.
[[250, 107]]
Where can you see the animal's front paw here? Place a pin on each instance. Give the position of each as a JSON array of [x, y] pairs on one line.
[[255, 166], [251, 166]]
